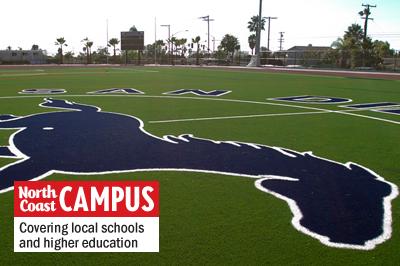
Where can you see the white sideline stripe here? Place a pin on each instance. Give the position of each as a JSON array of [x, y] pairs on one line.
[[344, 112], [244, 116], [22, 74], [76, 73], [136, 70], [370, 117]]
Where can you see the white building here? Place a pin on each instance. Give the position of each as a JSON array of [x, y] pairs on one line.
[[22, 57]]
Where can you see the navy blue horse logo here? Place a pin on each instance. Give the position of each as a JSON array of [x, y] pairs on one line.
[[341, 205]]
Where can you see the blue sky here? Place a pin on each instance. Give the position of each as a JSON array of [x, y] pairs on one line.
[[317, 22]]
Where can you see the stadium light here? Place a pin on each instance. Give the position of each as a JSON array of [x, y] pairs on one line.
[[179, 32]]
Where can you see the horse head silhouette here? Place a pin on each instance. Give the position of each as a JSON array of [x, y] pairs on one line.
[[342, 205]]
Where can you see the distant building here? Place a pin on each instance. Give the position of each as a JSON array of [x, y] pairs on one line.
[[306, 55], [22, 57]]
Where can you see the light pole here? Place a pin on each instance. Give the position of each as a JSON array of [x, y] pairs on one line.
[[173, 36], [179, 32]]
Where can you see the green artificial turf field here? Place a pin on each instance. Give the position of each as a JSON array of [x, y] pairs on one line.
[[211, 218]]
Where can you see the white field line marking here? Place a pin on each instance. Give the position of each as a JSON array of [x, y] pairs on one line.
[[370, 117], [93, 72], [344, 112], [136, 70], [75, 73], [246, 116], [22, 74]]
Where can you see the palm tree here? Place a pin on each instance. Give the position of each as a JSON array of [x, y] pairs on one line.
[[90, 44], [113, 42], [252, 42], [158, 47], [350, 48], [61, 42], [341, 52], [85, 51], [237, 48], [182, 42], [252, 25], [353, 43], [88, 48], [229, 43], [197, 41], [69, 56], [382, 49], [355, 32], [159, 44], [173, 43], [9, 48]]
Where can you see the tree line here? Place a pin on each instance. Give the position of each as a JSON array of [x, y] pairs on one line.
[[352, 50], [355, 49]]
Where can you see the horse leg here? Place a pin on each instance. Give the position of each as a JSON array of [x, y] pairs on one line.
[[7, 117], [21, 171], [6, 152]]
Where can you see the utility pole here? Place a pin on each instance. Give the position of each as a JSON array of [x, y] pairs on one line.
[[366, 12], [269, 29], [281, 40], [258, 42], [256, 59], [107, 41], [155, 40], [207, 18]]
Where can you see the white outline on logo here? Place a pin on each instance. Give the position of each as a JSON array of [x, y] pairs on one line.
[[43, 91], [297, 214], [351, 106], [279, 99], [116, 91], [385, 109], [206, 93]]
